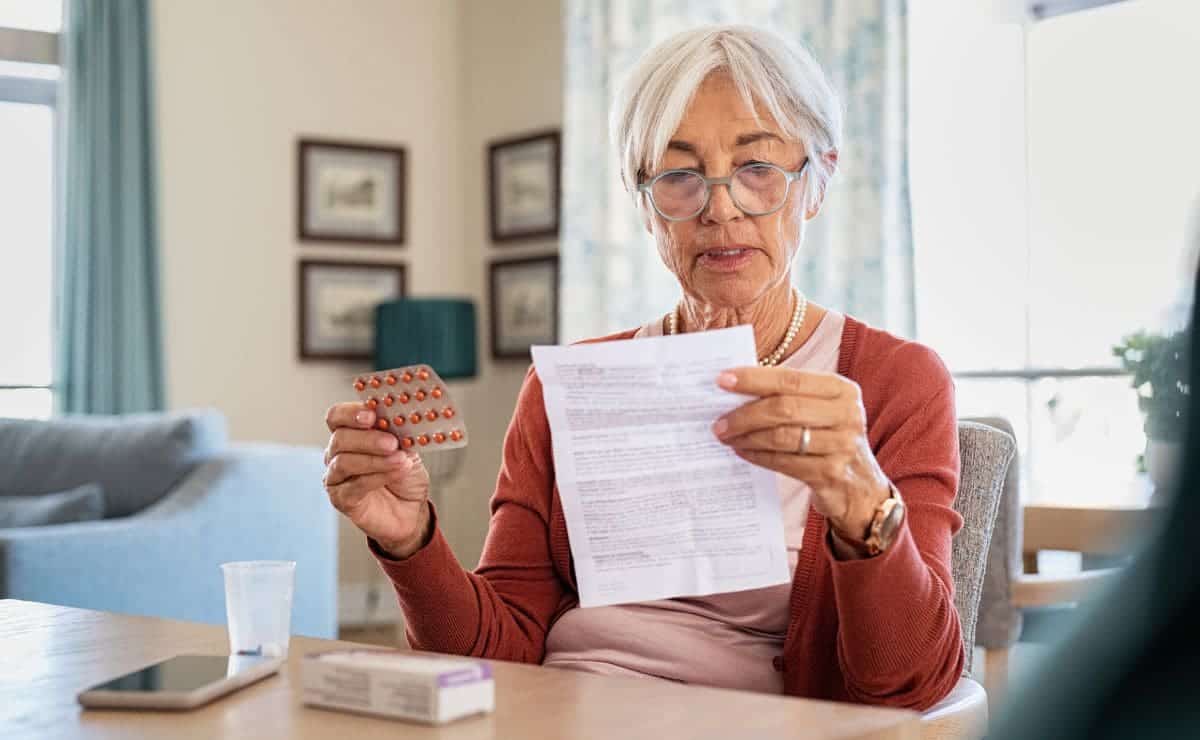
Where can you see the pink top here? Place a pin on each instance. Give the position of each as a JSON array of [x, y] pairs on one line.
[[726, 640]]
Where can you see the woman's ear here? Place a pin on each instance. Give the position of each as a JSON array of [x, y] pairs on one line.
[[830, 160]]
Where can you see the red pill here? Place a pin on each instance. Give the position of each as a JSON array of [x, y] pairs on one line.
[[422, 440], [389, 399], [390, 379], [448, 412], [406, 377], [436, 392], [415, 418], [439, 438], [360, 386], [398, 421], [455, 435], [423, 374], [420, 396], [431, 415], [404, 398], [382, 424], [406, 443], [372, 403], [374, 382]]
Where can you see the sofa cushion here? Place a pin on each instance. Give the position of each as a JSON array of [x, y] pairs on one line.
[[82, 504], [135, 459]]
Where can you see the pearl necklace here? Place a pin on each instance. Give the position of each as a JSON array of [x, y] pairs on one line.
[[793, 329]]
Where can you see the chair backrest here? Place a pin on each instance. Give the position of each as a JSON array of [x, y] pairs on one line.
[[999, 623], [985, 452]]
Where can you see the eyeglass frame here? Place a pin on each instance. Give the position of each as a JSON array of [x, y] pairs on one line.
[[727, 181]]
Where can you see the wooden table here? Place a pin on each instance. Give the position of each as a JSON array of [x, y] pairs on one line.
[[1100, 532], [50, 653]]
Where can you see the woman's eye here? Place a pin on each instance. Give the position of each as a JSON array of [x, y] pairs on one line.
[[672, 178], [758, 169]]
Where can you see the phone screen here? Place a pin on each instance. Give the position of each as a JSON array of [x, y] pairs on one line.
[[183, 673]]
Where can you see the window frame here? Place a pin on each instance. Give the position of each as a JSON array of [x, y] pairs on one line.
[[32, 47], [1028, 377], [1040, 10], [29, 47], [1030, 13]]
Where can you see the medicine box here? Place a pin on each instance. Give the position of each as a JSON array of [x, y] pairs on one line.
[[424, 688]]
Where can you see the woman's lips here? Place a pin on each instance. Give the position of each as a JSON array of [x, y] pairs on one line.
[[726, 259]]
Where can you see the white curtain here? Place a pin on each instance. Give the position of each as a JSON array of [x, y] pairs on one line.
[[857, 255]]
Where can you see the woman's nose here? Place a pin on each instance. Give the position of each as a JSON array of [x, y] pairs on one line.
[[721, 208]]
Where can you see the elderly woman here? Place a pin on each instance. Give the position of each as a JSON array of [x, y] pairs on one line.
[[728, 138]]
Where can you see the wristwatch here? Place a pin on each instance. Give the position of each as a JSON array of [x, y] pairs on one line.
[[889, 515]]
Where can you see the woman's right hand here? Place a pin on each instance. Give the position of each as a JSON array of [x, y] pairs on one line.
[[382, 489]]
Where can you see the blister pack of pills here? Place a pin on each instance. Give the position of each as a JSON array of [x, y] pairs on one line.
[[414, 404]]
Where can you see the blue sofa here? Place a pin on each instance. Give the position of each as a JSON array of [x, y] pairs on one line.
[[180, 500]]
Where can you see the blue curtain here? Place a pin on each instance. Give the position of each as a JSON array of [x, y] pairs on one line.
[[109, 354], [857, 256]]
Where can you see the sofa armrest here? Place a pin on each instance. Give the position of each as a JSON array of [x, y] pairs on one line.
[[250, 502]]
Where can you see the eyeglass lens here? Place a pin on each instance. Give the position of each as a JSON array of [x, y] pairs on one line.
[[756, 189]]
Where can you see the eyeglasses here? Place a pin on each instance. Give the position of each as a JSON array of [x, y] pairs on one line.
[[757, 189]]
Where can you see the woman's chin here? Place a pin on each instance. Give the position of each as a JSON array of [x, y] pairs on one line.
[[730, 291], [731, 282]]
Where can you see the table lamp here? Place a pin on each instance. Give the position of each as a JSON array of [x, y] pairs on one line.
[[439, 332], [435, 331]]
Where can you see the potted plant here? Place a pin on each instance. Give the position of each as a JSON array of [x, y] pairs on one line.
[[1159, 365]]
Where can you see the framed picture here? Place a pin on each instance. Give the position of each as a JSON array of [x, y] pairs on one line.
[[350, 192], [523, 186], [524, 305], [337, 306]]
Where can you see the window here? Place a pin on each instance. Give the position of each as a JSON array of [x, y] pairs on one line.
[[28, 94], [1053, 180], [33, 15]]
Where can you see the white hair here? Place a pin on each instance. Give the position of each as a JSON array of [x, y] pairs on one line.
[[772, 75]]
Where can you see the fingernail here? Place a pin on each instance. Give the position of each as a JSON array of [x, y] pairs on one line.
[[395, 457], [720, 427], [387, 443], [727, 380], [364, 417]]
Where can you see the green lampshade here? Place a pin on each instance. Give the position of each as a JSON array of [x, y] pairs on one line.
[[439, 332]]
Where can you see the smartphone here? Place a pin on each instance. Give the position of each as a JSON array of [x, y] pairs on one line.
[[181, 682]]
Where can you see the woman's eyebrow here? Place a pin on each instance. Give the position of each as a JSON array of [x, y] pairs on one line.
[[682, 146], [756, 136]]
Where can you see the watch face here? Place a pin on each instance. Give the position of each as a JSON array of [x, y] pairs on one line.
[[891, 524]]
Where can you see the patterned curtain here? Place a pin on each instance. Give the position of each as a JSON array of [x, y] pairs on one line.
[[858, 253]]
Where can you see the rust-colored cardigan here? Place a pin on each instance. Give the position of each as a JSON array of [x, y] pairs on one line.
[[881, 631]]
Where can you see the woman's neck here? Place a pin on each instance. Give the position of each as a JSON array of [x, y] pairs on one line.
[[769, 317]]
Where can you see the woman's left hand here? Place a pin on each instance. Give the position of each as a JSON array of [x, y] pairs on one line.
[[837, 463]]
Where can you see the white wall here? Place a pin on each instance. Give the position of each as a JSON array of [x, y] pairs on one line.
[[512, 83], [238, 83]]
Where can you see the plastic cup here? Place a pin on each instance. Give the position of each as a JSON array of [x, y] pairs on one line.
[[258, 606]]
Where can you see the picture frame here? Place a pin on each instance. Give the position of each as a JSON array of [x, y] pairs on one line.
[[523, 305], [336, 306], [352, 192], [524, 187]]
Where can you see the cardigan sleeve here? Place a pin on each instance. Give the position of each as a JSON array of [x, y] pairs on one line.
[[503, 609], [899, 639]]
